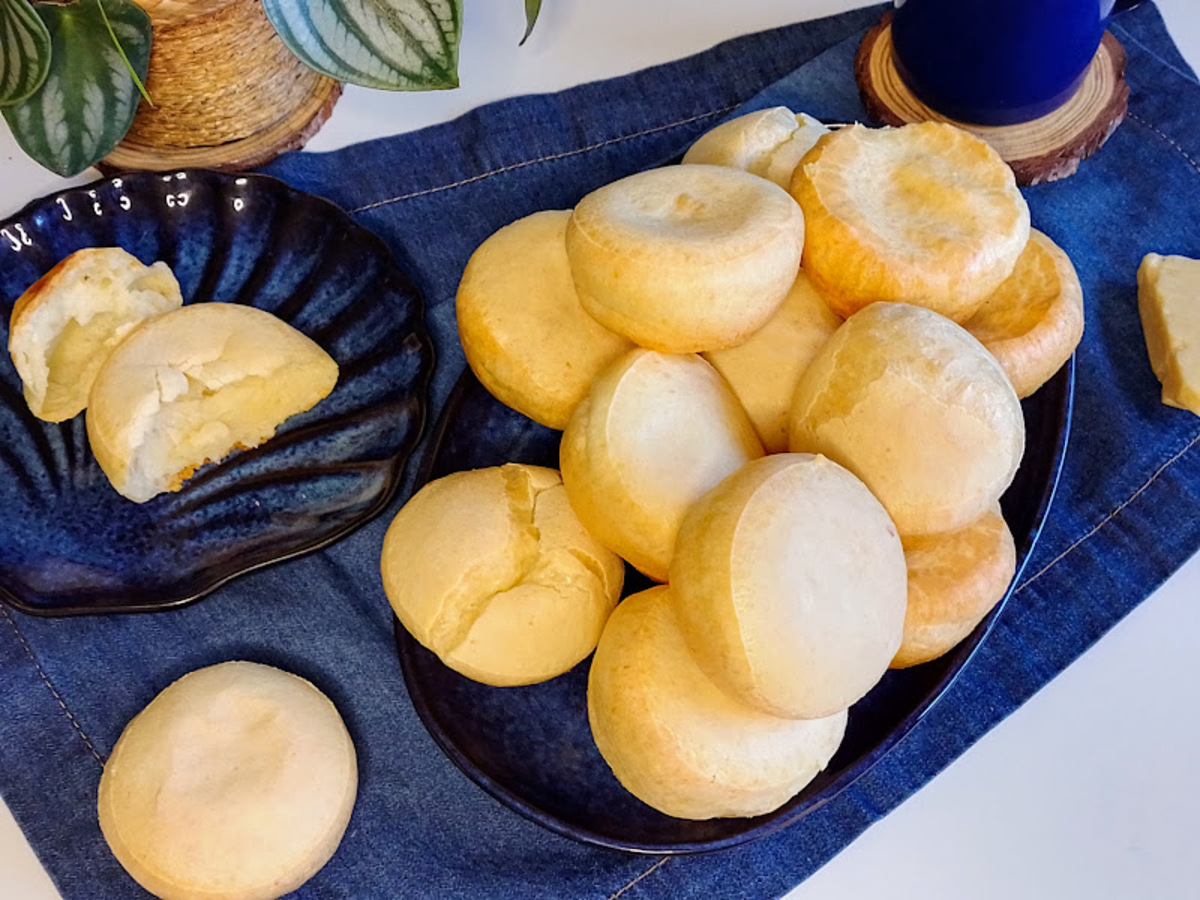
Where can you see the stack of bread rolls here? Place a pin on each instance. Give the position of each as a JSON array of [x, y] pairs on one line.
[[788, 375]]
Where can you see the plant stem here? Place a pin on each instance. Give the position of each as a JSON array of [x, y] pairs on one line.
[[121, 50]]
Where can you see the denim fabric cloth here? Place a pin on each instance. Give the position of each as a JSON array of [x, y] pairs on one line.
[[1125, 517]]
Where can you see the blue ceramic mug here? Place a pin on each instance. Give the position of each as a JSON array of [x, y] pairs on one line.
[[997, 62]]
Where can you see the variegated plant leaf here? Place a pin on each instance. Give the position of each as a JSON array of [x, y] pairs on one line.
[[86, 104], [532, 8], [24, 51], [398, 45]]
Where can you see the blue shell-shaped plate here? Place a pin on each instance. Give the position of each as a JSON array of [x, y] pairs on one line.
[[68, 542], [531, 747]]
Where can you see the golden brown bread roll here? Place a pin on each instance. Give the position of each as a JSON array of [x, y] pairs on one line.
[[1033, 322], [654, 434], [918, 409], [954, 580], [492, 571], [190, 386], [925, 214], [768, 143], [524, 334], [678, 742], [685, 258], [65, 325], [764, 369], [235, 783], [789, 585]]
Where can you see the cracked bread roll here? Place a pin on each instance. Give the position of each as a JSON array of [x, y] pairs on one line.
[[191, 386], [677, 741], [685, 258], [768, 143], [65, 325], [917, 408], [236, 782], [790, 587], [764, 369], [654, 434], [524, 334], [926, 214], [954, 580], [1033, 322], [492, 571]]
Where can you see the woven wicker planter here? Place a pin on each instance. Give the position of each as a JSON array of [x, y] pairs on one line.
[[227, 92]]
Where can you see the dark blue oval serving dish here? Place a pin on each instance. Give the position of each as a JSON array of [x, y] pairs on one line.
[[531, 747], [69, 543]]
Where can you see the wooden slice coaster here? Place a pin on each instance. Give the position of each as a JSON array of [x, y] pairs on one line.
[[1041, 150]]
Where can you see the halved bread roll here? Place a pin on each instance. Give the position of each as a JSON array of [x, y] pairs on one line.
[[524, 334], [768, 143], [763, 370], [492, 571], [789, 585], [237, 781], [926, 214], [1033, 322], [685, 258], [654, 434], [190, 386], [65, 325], [917, 408], [954, 580], [677, 741]]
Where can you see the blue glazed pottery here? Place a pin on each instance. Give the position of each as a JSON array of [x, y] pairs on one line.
[[69, 543]]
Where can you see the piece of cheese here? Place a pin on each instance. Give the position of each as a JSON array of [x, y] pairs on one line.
[[1169, 304]]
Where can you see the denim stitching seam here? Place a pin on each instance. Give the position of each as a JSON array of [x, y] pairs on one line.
[[541, 159], [1112, 515], [1166, 138], [657, 865], [1128, 38], [54, 692]]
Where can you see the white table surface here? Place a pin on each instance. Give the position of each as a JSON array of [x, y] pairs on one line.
[[1089, 790]]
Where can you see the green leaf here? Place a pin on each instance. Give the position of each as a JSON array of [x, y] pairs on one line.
[[397, 45], [24, 51], [86, 104], [532, 8], [137, 80]]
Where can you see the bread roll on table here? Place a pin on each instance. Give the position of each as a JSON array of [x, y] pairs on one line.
[[1033, 322], [918, 409], [65, 325], [764, 370], [685, 258], [235, 783], [654, 434], [191, 386], [680, 743], [789, 585], [491, 570], [954, 580], [768, 143], [524, 334], [925, 214]]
